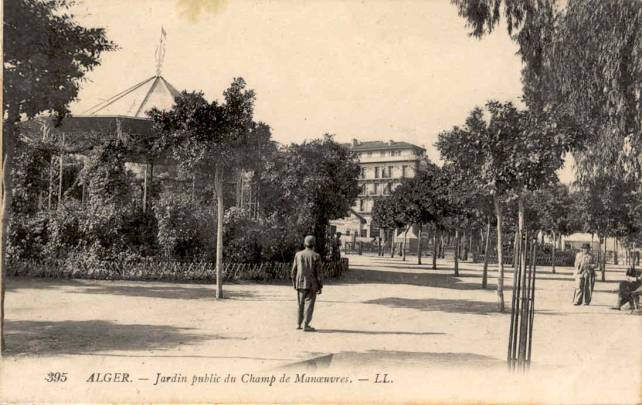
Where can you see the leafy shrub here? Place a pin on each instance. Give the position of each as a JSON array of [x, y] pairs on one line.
[[185, 229]]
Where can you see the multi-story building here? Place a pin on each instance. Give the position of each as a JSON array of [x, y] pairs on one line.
[[383, 166]]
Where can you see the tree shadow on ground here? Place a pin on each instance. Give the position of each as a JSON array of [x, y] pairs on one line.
[[87, 337], [439, 280], [169, 291], [377, 332], [393, 359], [16, 283], [460, 306]]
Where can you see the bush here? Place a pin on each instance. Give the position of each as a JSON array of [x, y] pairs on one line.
[[185, 229]]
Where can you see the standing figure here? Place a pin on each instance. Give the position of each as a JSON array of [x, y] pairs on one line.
[[306, 279], [336, 247], [584, 276]]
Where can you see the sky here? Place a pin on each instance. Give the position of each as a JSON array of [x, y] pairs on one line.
[[370, 70]]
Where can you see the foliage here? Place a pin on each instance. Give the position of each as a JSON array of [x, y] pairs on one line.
[[514, 151], [388, 213], [597, 79], [593, 80], [307, 185], [607, 206], [46, 55], [551, 209], [422, 196], [184, 227], [203, 135]]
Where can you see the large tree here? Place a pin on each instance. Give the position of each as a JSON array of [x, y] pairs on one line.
[[212, 140], [46, 56], [422, 200], [552, 207], [509, 152], [306, 185], [594, 80], [597, 79]]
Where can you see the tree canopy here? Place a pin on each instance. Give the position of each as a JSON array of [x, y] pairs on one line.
[[46, 55]]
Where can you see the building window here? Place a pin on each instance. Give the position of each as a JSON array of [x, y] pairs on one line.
[[388, 188], [376, 189], [376, 172], [389, 171], [347, 232], [363, 172], [360, 205], [364, 233], [404, 171]]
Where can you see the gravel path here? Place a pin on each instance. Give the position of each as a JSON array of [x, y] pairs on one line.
[[436, 335]]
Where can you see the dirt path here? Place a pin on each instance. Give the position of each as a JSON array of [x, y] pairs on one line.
[[384, 316]]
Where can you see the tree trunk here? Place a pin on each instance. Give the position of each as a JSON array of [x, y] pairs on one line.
[[392, 243], [7, 152], [434, 250], [486, 246], [604, 261], [419, 245], [515, 243], [220, 210], [553, 252], [442, 253], [615, 258], [405, 238], [457, 252], [500, 256]]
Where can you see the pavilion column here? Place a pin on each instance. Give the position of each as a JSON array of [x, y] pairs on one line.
[[61, 170], [145, 188], [51, 175]]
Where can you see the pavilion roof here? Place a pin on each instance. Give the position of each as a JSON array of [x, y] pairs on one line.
[[153, 92]]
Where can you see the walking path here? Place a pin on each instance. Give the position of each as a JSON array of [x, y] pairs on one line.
[[385, 316]]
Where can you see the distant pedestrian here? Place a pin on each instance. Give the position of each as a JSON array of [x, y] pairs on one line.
[[306, 279], [336, 247], [584, 276]]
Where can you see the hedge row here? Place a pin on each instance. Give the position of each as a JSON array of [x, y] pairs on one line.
[[164, 270]]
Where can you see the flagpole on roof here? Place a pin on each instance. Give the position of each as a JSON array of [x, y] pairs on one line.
[[160, 52]]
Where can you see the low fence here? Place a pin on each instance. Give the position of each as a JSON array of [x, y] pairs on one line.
[[148, 270], [562, 258]]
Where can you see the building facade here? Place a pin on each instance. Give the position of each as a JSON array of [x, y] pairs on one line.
[[383, 166]]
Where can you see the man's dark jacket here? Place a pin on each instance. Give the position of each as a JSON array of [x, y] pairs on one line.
[[306, 270]]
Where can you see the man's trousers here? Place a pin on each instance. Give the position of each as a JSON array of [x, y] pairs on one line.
[[583, 289], [303, 296]]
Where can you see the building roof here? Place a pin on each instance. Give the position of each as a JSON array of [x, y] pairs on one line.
[[138, 99], [367, 146]]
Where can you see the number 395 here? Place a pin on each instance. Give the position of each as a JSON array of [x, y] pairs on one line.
[[56, 377]]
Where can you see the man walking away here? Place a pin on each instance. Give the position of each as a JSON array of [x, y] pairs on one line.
[[306, 280], [584, 273]]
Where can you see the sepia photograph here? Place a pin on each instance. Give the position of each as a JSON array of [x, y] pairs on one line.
[[321, 201]]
